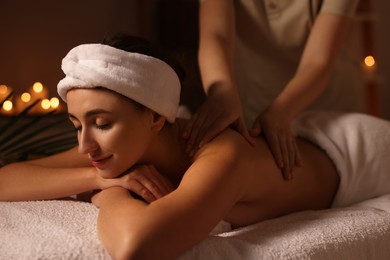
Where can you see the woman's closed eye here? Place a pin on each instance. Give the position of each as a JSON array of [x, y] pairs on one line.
[[77, 127], [104, 126]]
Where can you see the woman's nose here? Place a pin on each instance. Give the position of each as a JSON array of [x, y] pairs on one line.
[[87, 144]]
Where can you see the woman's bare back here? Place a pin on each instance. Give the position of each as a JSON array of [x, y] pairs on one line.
[[268, 195]]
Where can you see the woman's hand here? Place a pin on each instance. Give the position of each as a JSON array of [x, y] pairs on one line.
[[219, 111], [143, 180], [277, 132], [147, 182]]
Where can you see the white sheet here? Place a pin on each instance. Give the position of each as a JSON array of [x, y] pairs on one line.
[[67, 230], [359, 232]]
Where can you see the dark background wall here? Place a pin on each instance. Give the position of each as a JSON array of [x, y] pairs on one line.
[[35, 35], [382, 36]]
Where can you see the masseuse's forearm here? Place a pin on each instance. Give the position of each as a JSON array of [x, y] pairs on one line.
[[24, 181], [303, 89], [216, 44], [317, 61]]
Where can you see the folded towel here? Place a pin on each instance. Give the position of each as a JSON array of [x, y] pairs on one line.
[[359, 146], [142, 78]]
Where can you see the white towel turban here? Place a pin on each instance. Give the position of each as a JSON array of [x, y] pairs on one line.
[[144, 79]]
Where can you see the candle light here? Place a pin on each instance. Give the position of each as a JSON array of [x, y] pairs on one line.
[[8, 105], [7, 108], [23, 101], [25, 97], [20, 102], [54, 103], [38, 91], [4, 91], [45, 104], [369, 61], [369, 67]]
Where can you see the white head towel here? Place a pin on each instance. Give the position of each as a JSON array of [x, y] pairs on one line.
[[144, 79]]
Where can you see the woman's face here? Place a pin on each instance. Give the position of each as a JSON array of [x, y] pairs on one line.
[[110, 129]]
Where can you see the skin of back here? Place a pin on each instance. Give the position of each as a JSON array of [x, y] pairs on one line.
[[266, 194]]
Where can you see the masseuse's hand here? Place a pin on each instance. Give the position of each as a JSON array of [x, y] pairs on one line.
[[219, 111], [277, 132], [147, 182]]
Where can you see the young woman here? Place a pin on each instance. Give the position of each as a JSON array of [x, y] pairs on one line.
[[122, 98]]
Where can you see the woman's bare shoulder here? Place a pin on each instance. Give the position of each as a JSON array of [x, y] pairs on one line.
[[229, 139]]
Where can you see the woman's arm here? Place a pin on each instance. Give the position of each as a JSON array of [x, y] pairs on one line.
[[164, 229], [325, 40], [56, 176], [71, 173]]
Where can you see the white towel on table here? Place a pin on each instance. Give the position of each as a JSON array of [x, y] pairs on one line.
[[340, 233], [67, 230], [49, 230]]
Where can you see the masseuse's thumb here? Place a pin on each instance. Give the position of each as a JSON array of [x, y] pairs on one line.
[[240, 127]]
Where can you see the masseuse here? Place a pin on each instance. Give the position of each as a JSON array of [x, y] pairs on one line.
[[122, 98], [264, 62]]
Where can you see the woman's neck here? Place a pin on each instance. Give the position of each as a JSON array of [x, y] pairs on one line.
[[168, 152]]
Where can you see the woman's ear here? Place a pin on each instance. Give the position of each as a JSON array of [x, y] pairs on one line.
[[158, 122]]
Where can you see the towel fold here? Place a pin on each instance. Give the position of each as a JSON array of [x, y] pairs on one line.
[[142, 78], [359, 146]]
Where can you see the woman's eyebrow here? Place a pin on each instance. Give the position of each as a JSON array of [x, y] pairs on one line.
[[94, 112], [90, 113]]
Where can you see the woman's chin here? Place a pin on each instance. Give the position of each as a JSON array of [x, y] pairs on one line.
[[107, 174]]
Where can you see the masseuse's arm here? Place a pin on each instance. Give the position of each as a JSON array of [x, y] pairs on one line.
[[56, 176], [326, 38], [164, 229], [222, 107]]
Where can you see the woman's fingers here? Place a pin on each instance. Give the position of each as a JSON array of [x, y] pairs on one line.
[[147, 182], [142, 190]]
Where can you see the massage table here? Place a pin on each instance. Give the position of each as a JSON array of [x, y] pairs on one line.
[[66, 229]]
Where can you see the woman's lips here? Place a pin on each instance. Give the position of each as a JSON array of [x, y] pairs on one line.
[[99, 163]]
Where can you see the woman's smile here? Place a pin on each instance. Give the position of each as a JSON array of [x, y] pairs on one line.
[[100, 162]]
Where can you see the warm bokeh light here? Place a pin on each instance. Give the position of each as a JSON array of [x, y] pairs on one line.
[[25, 97], [37, 87], [3, 89], [54, 102], [369, 61], [45, 104], [7, 105]]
